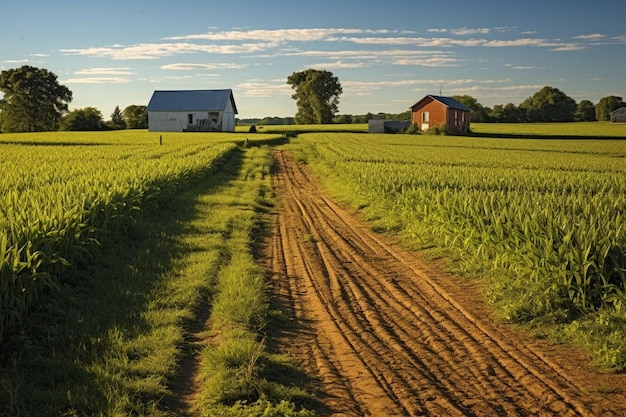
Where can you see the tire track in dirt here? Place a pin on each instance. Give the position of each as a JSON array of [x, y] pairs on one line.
[[384, 338]]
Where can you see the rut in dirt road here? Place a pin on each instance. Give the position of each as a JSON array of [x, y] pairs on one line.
[[382, 337]]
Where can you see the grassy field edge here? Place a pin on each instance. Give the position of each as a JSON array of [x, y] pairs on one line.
[[112, 344]]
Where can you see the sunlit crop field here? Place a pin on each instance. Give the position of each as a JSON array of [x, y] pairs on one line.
[[62, 193], [580, 130], [546, 218]]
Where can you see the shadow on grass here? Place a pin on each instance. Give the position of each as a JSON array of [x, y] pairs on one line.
[[51, 364]]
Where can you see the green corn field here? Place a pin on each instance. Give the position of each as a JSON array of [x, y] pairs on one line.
[[63, 194]]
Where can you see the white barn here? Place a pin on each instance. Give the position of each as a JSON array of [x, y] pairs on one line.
[[192, 111], [619, 115]]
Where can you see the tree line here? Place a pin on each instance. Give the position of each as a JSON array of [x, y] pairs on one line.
[[317, 98], [33, 100], [547, 105]]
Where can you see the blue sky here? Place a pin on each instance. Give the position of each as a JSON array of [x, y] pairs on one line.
[[387, 55]]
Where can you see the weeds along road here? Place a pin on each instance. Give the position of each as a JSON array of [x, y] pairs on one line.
[[383, 334]]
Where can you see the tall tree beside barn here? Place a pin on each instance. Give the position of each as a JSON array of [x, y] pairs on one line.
[[136, 117], [33, 99], [606, 105], [316, 94]]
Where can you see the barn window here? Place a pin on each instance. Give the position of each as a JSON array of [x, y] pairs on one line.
[[190, 119], [425, 116]]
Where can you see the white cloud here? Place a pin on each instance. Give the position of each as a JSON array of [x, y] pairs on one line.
[[255, 88], [590, 37], [278, 35], [427, 62], [536, 42], [158, 50], [339, 65], [527, 67], [468, 31], [619, 39], [568, 47], [98, 80], [419, 41], [104, 71], [196, 67], [365, 54]]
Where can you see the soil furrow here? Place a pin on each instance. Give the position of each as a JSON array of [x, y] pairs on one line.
[[384, 334]]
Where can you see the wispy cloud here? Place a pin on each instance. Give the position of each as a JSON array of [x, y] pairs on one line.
[[98, 80], [536, 42], [159, 50], [469, 31], [367, 54], [415, 41], [619, 39], [265, 43], [199, 67], [472, 31], [428, 62], [340, 65], [279, 35], [591, 37], [104, 71], [526, 67], [254, 88]]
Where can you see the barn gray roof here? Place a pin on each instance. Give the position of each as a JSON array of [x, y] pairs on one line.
[[446, 101], [191, 100]]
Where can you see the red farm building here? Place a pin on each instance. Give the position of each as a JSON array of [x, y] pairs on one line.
[[437, 111]]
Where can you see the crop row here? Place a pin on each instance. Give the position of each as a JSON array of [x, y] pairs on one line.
[[60, 200]]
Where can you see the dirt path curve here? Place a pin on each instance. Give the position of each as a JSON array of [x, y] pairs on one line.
[[386, 335]]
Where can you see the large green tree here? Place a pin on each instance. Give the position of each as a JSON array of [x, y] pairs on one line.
[[606, 105], [33, 99], [316, 94], [549, 105], [136, 117]]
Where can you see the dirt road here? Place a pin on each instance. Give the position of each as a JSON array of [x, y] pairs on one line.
[[385, 334]]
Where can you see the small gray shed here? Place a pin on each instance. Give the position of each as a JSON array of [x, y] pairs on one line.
[[618, 116], [192, 111], [387, 126]]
